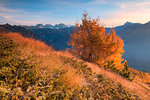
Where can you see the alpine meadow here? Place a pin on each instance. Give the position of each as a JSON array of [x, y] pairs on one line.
[[94, 58]]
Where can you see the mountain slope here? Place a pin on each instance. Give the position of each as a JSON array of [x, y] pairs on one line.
[[136, 41], [137, 44], [66, 77], [6, 28], [57, 38]]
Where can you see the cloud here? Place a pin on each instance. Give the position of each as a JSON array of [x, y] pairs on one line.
[[21, 17], [112, 12], [131, 11], [95, 2], [17, 16], [5, 16], [20, 22], [6, 10]]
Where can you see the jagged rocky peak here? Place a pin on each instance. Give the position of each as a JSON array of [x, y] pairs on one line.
[[56, 26], [39, 26], [49, 26], [60, 26]]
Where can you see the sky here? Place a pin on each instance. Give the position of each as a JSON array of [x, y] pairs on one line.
[[110, 12]]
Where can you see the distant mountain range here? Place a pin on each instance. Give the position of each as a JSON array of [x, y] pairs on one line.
[[136, 38], [41, 26]]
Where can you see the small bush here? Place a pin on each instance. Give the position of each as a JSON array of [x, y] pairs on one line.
[[124, 72]]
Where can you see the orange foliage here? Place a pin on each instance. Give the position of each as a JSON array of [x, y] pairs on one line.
[[90, 43]]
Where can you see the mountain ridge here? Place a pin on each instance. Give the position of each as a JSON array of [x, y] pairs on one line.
[[42, 26]]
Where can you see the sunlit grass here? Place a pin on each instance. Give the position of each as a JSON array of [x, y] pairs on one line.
[[76, 74]]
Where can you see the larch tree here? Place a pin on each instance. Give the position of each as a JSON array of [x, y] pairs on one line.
[[90, 42]]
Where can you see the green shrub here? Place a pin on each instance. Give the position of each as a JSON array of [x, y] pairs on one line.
[[124, 72]]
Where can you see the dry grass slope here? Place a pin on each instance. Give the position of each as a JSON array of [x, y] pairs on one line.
[[82, 74]]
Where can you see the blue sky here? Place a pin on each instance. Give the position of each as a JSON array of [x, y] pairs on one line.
[[111, 12]]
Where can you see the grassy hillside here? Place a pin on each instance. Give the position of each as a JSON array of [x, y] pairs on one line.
[[29, 69], [135, 37]]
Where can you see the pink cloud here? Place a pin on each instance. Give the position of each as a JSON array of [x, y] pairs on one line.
[[133, 12]]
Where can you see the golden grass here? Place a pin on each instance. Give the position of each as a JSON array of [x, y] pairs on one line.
[[29, 44], [140, 76], [46, 58], [50, 60], [138, 88]]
